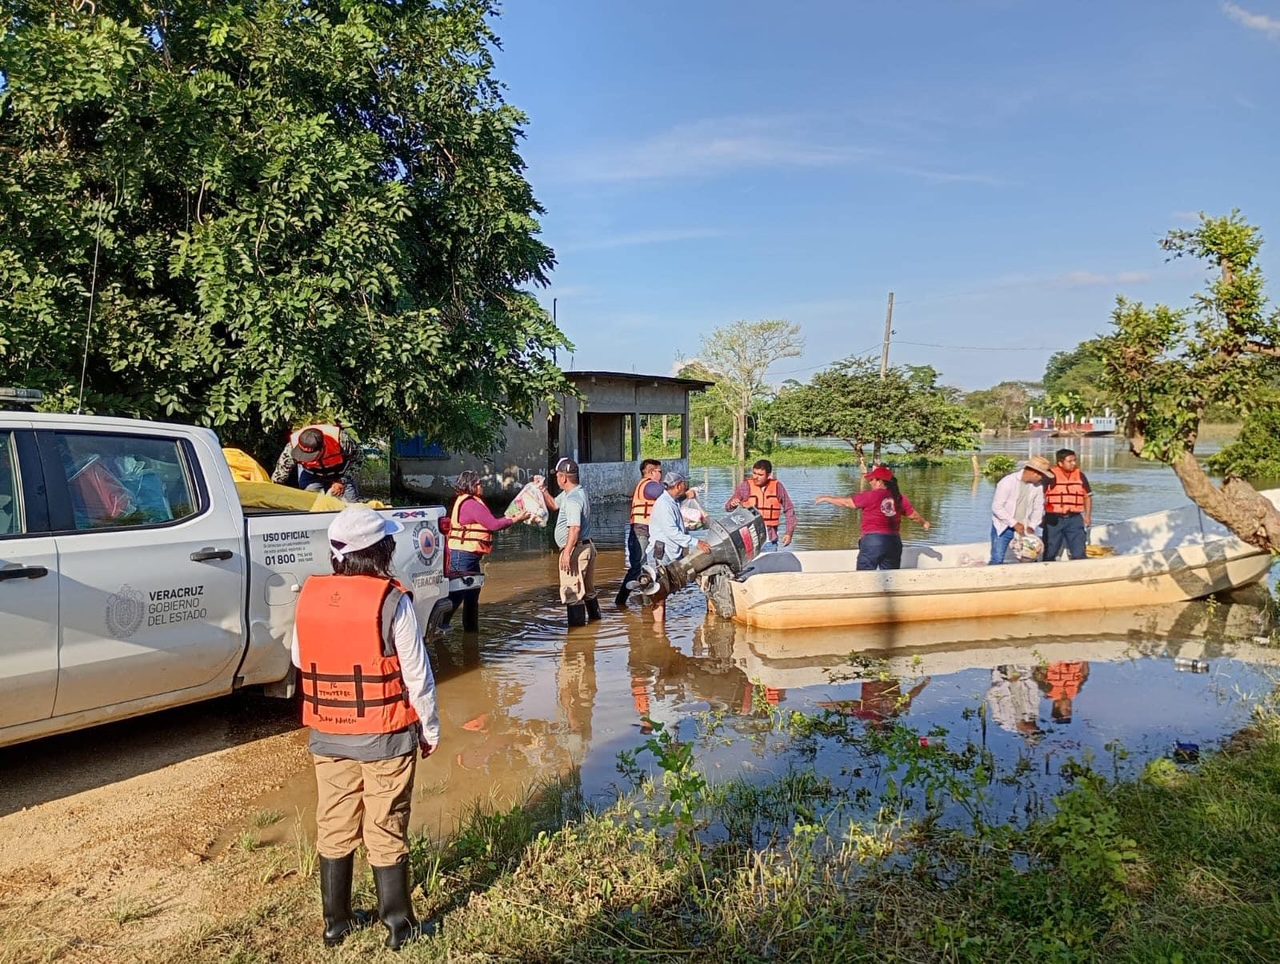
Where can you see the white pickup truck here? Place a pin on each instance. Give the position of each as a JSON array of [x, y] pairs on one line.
[[131, 579]]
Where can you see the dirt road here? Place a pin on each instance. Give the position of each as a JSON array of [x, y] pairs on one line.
[[112, 837]]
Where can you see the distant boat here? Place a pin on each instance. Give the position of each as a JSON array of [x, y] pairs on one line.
[[1047, 426], [1164, 557]]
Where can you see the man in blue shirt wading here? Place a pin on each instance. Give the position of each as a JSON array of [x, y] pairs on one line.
[[668, 540], [573, 536]]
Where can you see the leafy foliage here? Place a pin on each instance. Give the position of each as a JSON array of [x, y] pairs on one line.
[[1166, 367], [1256, 453], [1079, 374], [851, 401], [1003, 407], [738, 358], [281, 208]]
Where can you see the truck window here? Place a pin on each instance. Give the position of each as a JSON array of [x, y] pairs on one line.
[[124, 480], [10, 504]]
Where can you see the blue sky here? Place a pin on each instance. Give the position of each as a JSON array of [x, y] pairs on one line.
[[1006, 168]]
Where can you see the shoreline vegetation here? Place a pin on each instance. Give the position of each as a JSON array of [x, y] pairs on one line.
[[1170, 863]]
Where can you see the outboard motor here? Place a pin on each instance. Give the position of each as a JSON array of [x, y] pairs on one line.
[[734, 540]]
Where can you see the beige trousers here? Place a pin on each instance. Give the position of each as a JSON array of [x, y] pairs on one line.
[[581, 586], [368, 801]]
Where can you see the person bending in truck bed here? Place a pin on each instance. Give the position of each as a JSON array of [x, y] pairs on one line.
[[321, 458], [369, 697]]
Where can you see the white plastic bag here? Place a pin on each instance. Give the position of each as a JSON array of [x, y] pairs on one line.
[[529, 500], [691, 509], [1024, 548]]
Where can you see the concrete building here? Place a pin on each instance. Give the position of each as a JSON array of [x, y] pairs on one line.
[[601, 430]]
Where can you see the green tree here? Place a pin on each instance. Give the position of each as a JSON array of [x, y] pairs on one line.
[[1168, 366], [1003, 407], [1079, 374], [850, 401], [273, 208], [738, 358]]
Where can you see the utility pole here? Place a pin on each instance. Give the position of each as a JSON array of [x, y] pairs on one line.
[[888, 337], [884, 364]]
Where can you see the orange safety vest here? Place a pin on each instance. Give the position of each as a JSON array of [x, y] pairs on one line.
[[1065, 680], [331, 456], [1065, 495], [349, 686], [641, 508], [467, 538], [765, 500]]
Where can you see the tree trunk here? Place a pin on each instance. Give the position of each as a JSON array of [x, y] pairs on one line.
[[1237, 505], [664, 433], [977, 470], [706, 429]]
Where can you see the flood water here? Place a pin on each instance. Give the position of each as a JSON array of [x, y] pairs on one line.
[[525, 700]]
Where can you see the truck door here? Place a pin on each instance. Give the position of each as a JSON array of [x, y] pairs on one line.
[[28, 586], [151, 569]]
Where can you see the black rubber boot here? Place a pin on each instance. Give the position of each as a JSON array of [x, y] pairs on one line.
[[471, 611], [593, 609], [577, 614], [621, 599], [335, 898], [395, 906]]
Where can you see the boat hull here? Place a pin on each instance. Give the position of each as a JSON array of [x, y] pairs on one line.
[[1166, 557]]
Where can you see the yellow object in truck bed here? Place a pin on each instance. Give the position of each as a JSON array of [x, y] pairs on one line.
[[244, 467]]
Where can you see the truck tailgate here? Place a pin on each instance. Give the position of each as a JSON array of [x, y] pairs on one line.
[[286, 547]]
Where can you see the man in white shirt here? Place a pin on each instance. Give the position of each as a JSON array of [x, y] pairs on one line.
[[668, 539], [1018, 506]]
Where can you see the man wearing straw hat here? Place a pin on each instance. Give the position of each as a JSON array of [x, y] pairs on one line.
[[1018, 506]]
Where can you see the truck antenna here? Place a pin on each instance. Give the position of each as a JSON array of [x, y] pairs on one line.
[[93, 290]]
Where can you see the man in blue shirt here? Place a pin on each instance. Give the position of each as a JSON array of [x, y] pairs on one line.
[[668, 539], [573, 536]]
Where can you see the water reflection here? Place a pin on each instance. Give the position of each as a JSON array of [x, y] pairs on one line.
[[523, 700]]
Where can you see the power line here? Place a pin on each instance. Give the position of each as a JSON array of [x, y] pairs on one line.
[[929, 344]]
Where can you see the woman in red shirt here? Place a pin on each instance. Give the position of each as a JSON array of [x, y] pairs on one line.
[[882, 506]]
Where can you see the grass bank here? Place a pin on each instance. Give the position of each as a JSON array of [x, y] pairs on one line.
[[1178, 864]]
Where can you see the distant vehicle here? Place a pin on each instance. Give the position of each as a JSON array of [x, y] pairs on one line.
[[20, 398], [131, 579], [1047, 426]]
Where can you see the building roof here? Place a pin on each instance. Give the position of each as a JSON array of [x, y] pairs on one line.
[[691, 384]]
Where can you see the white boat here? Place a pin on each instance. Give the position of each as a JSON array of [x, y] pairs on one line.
[[1169, 556], [798, 658]]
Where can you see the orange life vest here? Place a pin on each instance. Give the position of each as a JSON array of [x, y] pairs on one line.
[[1065, 680], [331, 456], [1066, 493], [765, 501], [349, 686], [467, 538], [641, 508]]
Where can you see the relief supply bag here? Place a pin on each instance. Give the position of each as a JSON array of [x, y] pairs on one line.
[[529, 500], [1025, 548], [691, 509]]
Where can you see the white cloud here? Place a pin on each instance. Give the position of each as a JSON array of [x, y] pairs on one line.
[[1267, 26], [1094, 279], [634, 238], [716, 145]]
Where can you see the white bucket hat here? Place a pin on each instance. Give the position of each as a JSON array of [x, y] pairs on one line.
[[358, 527]]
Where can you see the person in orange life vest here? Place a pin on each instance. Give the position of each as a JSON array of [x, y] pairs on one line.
[[646, 493], [762, 492], [321, 458], [882, 506], [369, 697], [1068, 508], [879, 702], [471, 530], [1062, 682]]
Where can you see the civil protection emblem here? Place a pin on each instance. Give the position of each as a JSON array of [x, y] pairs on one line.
[[125, 610], [426, 540]]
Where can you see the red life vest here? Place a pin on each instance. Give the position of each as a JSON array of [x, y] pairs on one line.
[[1065, 680], [641, 508], [349, 686], [467, 538], [1065, 495], [765, 501], [331, 456]]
